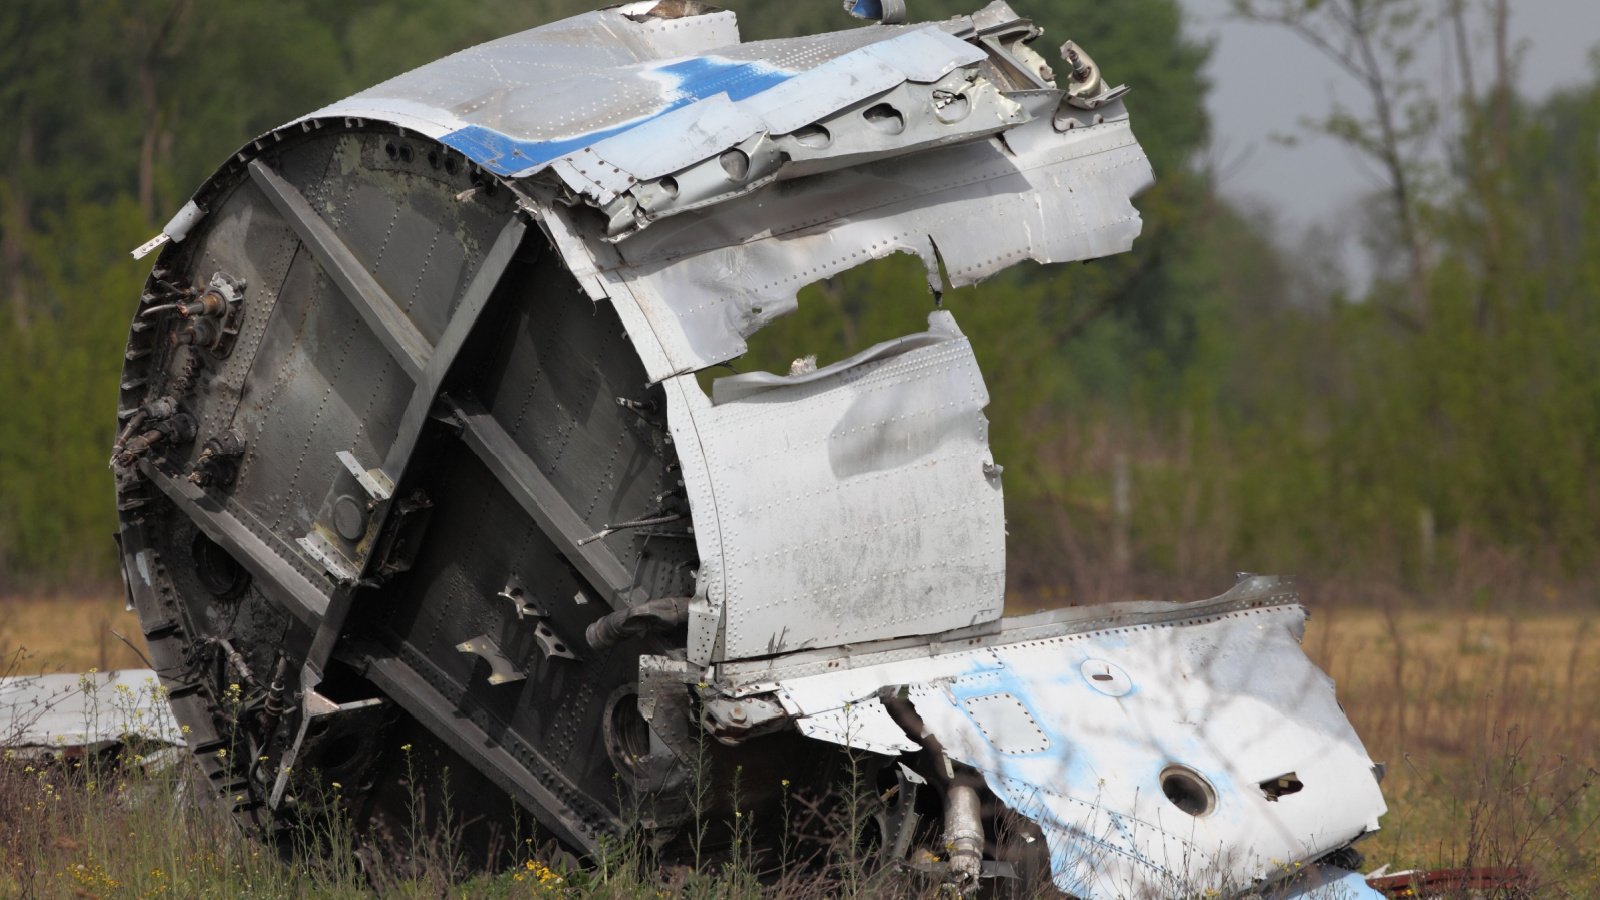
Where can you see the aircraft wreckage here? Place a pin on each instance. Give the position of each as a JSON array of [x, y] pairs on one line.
[[415, 473]]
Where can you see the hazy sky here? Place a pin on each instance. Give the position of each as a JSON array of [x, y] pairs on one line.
[[1265, 79]]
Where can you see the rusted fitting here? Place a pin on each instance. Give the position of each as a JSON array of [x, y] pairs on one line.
[[210, 303]]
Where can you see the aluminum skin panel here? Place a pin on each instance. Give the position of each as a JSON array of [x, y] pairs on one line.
[[516, 103], [856, 502], [709, 278], [847, 525], [1078, 731], [676, 132], [90, 711]]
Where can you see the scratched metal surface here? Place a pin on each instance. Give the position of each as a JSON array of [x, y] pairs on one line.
[[614, 114], [74, 712], [1229, 695], [853, 503], [838, 530]]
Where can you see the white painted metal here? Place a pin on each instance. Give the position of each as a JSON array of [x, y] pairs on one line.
[[851, 503], [1226, 693], [842, 515], [88, 711], [719, 274]]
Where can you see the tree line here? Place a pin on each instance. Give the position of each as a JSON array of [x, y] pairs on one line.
[[1212, 402]]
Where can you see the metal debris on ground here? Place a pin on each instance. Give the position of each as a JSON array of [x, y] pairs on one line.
[[415, 468], [73, 716]]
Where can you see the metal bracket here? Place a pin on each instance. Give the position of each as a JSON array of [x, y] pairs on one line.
[[323, 722], [733, 720], [320, 549], [552, 643], [374, 481], [526, 607], [501, 669]]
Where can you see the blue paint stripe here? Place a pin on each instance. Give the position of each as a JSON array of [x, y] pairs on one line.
[[695, 79]]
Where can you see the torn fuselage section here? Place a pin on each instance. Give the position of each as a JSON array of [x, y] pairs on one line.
[[849, 520], [702, 181], [489, 565], [1149, 744]]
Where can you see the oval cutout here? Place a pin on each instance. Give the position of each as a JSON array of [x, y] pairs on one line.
[[736, 163], [1106, 677], [1188, 790], [955, 108], [814, 136], [218, 572], [627, 735], [885, 118]]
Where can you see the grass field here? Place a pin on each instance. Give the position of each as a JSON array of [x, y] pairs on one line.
[[1488, 724], [69, 634]]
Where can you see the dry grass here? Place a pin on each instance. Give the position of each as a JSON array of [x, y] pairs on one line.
[[1490, 728], [69, 633], [1489, 725]]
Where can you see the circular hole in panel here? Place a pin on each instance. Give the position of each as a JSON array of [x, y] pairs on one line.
[[736, 163], [339, 752], [669, 186], [885, 118], [954, 109], [1188, 790], [627, 734], [218, 571], [349, 517]]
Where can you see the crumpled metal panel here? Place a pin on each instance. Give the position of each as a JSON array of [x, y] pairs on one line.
[[515, 104], [1076, 730], [89, 711], [852, 503], [715, 276], [780, 101], [649, 118], [839, 517]]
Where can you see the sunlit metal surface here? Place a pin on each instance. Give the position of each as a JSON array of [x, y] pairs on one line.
[[1148, 748], [434, 465], [76, 713]]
